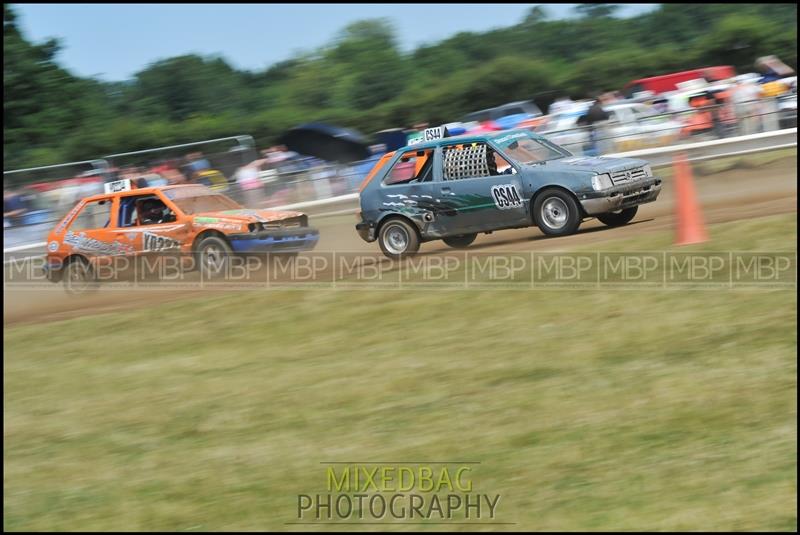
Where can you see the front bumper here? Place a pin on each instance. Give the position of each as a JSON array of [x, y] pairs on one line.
[[300, 239], [621, 197]]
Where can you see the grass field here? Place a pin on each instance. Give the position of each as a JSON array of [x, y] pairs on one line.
[[588, 410]]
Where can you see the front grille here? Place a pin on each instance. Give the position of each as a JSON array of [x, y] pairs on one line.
[[284, 224], [628, 176]]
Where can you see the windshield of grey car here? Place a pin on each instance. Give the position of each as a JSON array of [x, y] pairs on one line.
[[528, 150]]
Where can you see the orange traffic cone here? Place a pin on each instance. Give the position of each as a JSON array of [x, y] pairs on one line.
[[687, 210]]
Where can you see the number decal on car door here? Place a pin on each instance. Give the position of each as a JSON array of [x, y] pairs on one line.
[[506, 196]]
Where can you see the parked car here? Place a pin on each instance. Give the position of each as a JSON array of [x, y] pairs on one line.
[[453, 188], [192, 222], [507, 115], [671, 81], [631, 126]]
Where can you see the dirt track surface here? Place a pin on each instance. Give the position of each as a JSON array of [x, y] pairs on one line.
[[727, 196]]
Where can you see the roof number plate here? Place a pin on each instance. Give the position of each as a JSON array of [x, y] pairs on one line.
[[433, 133], [118, 185]]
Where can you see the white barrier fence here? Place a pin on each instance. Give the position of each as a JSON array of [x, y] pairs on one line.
[[718, 148]]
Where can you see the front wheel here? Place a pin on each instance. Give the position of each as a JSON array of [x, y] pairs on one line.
[[398, 239], [461, 241], [619, 218], [214, 256], [556, 212]]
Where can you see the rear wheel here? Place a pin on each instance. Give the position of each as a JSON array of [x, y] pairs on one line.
[[398, 239], [214, 255], [79, 277], [619, 218], [461, 241], [556, 212]]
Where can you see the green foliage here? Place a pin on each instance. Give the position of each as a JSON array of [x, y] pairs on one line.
[[739, 38], [363, 80], [178, 87], [596, 11]]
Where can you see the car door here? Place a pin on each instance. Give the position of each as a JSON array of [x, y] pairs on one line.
[[407, 184], [470, 192], [90, 235], [155, 245]]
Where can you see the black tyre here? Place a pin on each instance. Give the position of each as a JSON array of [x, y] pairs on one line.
[[213, 256], [461, 241], [79, 278], [398, 239], [617, 219], [556, 212]]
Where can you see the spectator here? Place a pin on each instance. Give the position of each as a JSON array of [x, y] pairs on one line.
[[562, 104], [13, 208], [727, 112], [172, 175], [154, 179], [249, 181], [133, 174], [273, 156], [197, 163], [746, 98], [609, 97], [772, 69], [596, 118]]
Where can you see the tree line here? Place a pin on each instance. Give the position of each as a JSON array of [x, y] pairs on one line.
[[362, 79]]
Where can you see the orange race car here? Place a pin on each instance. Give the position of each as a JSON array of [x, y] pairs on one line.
[[190, 222]]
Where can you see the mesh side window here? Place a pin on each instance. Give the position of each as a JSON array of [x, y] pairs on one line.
[[465, 162]]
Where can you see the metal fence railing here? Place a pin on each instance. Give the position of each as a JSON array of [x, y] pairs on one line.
[[708, 122]]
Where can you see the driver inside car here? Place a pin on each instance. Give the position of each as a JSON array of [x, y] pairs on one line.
[[153, 211], [497, 164]]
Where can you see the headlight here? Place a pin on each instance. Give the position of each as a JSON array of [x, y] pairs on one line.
[[601, 182], [648, 171]]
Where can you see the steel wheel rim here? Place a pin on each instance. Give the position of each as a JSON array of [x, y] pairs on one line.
[[78, 276], [555, 213], [396, 239], [214, 259]]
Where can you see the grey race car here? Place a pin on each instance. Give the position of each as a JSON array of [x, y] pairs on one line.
[[452, 188]]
